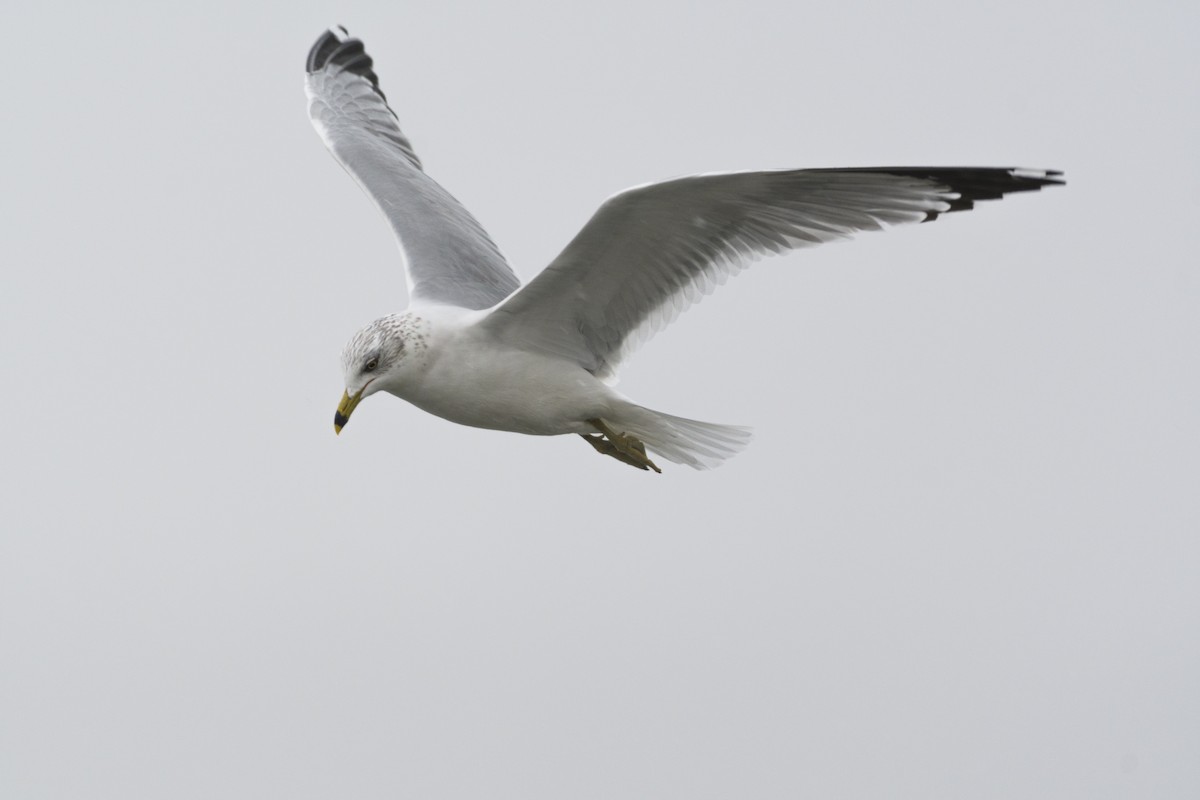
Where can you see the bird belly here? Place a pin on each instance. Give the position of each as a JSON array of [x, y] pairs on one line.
[[511, 390]]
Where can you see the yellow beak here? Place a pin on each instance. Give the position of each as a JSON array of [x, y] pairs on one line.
[[345, 409]]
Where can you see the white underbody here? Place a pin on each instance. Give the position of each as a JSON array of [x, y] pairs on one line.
[[470, 378], [446, 363]]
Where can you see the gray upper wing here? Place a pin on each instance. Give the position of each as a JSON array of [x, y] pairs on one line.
[[449, 258], [652, 251]]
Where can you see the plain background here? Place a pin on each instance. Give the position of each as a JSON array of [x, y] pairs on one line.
[[959, 560]]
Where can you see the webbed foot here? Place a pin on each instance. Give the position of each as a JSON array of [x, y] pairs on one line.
[[621, 446]]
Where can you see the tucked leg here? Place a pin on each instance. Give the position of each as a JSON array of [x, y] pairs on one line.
[[620, 446], [607, 448]]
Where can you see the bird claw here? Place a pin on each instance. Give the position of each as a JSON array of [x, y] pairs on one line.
[[621, 446]]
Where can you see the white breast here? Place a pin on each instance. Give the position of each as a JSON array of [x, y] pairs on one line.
[[471, 379]]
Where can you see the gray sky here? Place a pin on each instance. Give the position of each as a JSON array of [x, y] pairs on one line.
[[959, 559]]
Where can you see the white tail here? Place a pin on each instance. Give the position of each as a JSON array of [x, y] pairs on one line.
[[699, 445]]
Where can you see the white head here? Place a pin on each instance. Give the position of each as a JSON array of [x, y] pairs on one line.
[[377, 357]]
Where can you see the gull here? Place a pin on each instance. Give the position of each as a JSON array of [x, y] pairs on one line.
[[478, 348]]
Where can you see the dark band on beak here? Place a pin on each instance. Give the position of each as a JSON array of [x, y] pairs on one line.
[[346, 408]]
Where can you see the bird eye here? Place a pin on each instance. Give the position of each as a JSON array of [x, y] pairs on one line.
[[371, 365]]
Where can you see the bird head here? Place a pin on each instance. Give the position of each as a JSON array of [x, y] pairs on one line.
[[375, 358]]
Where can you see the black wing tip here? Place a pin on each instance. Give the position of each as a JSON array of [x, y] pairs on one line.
[[1014, 179], [323, 47], [1037, 178], [979, 183], [335, 46]]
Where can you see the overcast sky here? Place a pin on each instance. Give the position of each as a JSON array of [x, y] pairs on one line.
[[959, 560]]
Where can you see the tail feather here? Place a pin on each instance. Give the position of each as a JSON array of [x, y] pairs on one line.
[[699, 445]]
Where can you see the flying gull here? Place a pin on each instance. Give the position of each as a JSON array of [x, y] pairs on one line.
[[478, 348]]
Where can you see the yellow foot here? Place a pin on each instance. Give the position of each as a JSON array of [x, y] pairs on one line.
[[621, 446]]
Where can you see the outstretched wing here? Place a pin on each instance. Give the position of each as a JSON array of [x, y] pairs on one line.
[[652, 251], [449, 258]]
